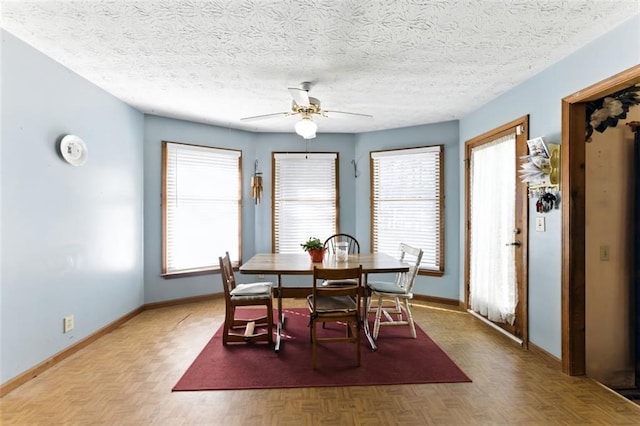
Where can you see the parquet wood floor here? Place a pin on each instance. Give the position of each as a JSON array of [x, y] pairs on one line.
[[125, 378]]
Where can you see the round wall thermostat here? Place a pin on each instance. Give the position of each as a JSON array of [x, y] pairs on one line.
[[73, 150]]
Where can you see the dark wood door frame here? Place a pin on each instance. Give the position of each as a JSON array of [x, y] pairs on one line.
[[573, 215], [521, 329]]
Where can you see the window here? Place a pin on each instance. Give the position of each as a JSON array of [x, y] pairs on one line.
[[305, 194], [201, 207], [406, 203]]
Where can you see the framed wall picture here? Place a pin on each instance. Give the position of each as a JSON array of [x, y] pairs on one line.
[[537, 147]]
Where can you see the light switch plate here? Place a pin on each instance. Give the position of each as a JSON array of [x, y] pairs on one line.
[[540, 226]]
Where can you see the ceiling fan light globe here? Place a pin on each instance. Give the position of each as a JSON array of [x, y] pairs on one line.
[[306, 128]]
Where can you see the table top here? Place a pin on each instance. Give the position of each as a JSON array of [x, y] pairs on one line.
[[300, 263]]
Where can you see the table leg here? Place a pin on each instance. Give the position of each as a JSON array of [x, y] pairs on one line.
[[280, 315], [365, 317]]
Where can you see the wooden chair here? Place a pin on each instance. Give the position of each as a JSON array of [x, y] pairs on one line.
[[398, 292], [336, 304], [252, 294], [353, 245], [331, 245]]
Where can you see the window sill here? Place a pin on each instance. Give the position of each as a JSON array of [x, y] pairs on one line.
[[190, 273], [430, 273]]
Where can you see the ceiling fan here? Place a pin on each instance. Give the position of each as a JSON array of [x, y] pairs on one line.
[[306, 106]]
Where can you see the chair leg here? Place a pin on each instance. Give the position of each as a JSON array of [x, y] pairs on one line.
[[313, 343], [410, 318], [376, 324], [232, 325], [398, 309], [229, 314], [270, 323], [358, 341]]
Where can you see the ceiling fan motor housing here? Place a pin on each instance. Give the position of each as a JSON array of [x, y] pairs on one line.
[[312, 108]]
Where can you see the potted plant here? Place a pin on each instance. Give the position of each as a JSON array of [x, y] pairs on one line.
[[315, 248]]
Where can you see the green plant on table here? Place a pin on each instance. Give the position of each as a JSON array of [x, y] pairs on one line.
[[312, 243]]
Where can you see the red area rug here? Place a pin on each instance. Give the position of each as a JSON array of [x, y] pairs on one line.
[[398, 360]]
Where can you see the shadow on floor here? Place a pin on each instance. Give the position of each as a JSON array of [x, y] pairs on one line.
[[632, 394]]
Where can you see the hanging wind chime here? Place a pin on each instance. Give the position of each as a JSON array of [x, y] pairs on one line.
[[256, 184]]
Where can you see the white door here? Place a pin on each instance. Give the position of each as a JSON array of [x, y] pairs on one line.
[[495, 237]]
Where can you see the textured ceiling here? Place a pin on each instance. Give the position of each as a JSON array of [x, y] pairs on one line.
[[405, 62]]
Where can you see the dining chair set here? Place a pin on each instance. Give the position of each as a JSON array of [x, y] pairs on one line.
[[336, 297]]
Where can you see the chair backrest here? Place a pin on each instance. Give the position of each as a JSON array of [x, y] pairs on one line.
[[330, 243], [228, 277], [352, 287], [406, 279]]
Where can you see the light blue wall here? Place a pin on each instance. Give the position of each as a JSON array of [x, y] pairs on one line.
[[540, 97], [267, 143], [343, 144], [71, 236], [157, 129], [256, 220], [446, 133]]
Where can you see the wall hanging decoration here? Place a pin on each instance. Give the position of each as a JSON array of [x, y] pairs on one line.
[[540, 170], [546, 202], [73, 150], [356, 173], [537, 164], [256, 184], [605, 112]]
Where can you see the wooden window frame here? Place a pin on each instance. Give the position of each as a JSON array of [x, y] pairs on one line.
[[273, 192], [214, 267], [441, 253]]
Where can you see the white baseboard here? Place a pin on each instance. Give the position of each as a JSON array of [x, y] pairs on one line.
[[492, 325]]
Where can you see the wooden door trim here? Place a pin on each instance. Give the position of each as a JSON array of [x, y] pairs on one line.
[[522, 211], [573, 187]]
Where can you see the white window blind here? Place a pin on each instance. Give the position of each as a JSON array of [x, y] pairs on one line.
[[304, 199], [201, 206], [406, 202]]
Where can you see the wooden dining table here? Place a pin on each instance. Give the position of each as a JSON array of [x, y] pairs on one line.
[[280, 264]]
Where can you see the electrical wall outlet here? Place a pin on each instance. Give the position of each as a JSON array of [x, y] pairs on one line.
[[68, 324]]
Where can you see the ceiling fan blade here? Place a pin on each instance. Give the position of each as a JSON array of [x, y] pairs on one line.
[[300, 96], [349, 113], [265, 116]]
